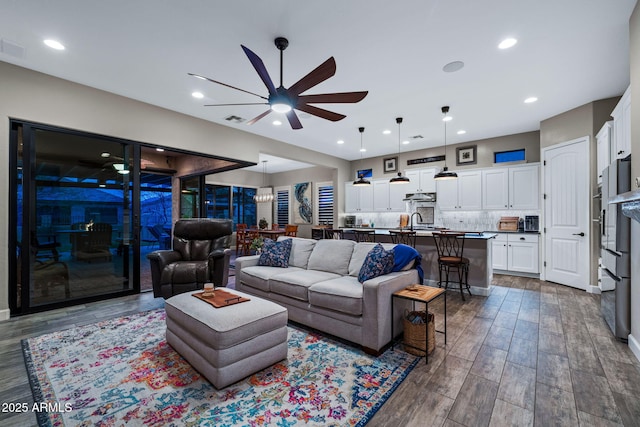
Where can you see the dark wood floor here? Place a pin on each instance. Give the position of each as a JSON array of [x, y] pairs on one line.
[[533, 353]]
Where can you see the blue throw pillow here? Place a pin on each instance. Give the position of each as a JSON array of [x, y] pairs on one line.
[[377, 263], [275, 254]]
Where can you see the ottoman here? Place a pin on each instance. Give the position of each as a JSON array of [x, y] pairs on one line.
[[229, 343]]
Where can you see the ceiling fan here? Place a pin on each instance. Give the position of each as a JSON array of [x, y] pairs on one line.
[[286, 100]]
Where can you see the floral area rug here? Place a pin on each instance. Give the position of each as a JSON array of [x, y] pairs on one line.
[[123, 372]]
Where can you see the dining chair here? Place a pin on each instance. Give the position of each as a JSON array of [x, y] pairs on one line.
[[291, 230]]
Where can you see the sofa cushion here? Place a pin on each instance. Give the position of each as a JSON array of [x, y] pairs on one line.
[[258, 276], [275, 254], [342, 294], [300, 250], [360, 253], [297, 283], [377, 263], [332, 256]]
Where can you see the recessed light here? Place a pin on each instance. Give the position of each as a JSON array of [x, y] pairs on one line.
[[340, 141], [102, 185], [160, 149], [462, 132], [105, 154], [530, 100], [386, 131], [53, 44], [405, 142], [507, 43], [277, 122], [362, 150], [452, 67], [197, 95], [447, 118]]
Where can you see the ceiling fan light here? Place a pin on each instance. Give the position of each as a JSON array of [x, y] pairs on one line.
[[281, 107], [399, 179]]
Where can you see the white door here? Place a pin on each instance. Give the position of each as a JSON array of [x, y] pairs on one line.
[[470, 190], [523, 257], [427, 183], [351, 198], [366, 198], [499, 252], [524, 184], [397, 192], [495, 188], [380, 195], [566, 213], [447, 194]]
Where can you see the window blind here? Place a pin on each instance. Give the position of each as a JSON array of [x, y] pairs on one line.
[[325, 204], [282, 207]]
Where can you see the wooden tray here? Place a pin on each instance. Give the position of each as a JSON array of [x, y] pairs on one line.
[[508, 223], [221, 298]]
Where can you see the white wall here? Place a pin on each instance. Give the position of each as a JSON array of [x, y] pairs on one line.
[[33, 96]]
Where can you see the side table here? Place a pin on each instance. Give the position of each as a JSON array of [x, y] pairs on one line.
[[424, 294]]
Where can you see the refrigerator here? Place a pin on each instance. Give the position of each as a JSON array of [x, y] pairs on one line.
[[615, 300]]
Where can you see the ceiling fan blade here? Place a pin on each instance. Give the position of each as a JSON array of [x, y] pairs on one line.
[[318, 75], [255, 119], [294, 121], [260, 69], [333, 98], [227, 105], [224, 84], [322, 113]]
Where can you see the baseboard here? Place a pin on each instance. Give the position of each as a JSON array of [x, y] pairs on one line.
[[484, 292], [593, 290], [634, 345], [5, 314], [517, 273]]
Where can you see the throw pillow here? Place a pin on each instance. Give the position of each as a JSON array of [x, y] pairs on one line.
[[275, 254], [377, 263]]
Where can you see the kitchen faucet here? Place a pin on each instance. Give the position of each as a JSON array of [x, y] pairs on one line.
[[412, 215]]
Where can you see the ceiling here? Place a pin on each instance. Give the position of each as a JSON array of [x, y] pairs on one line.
[[569, 53]]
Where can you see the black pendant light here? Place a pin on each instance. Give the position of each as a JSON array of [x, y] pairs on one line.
[[361, 182], [399, 179], [445, 173]]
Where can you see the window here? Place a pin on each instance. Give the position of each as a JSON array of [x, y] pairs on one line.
[[282, 206], [244, 208], [325, 202], [218, 201], [509, 156]]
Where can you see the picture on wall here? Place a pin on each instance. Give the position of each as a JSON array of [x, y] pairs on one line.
[[466, 155], [390, 164], [302, 211], [365, 173]]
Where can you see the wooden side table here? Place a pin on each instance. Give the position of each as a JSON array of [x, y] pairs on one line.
[[424, 294]]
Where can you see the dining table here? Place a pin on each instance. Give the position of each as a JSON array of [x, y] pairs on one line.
[[272, 234]]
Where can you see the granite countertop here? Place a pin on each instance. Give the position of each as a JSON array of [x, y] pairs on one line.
[[512, 232], [482, 235]]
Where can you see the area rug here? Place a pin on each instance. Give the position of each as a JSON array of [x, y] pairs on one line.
[[123, 372]]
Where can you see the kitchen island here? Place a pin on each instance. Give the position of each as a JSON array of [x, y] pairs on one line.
[[477, 248]]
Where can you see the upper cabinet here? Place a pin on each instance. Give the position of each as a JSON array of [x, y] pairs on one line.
[[464, 193], [421, 180], [388, 197], [604, 140], [516, 187], [622, 127], [358, 199]]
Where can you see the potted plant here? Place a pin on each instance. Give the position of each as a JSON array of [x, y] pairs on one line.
[[256, 245], [263, 224]]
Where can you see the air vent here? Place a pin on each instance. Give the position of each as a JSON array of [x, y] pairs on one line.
[[416, 137], [11, 49], [235, 119]]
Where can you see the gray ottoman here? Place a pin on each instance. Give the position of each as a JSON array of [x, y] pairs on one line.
[[229, 343]]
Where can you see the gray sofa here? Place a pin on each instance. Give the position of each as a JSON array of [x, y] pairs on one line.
[[320, 289]]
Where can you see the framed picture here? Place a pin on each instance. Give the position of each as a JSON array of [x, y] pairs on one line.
[[466, 155], [302, 212], [366, 173], [390, 164]]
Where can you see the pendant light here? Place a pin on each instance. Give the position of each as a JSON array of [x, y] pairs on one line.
[[399, 179], [264, 197], [445, 173], [361, 182]]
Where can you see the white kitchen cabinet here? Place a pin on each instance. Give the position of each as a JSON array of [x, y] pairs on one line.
[[495, 188], [499, 252], [464, 193], [516, 187], [421, 180], [388, 197], [516, 252], [524, 187], [604, 140], [622, 127], [358, 199]]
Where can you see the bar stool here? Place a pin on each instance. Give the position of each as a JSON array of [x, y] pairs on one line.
[[403, 237], [333, 233], [365, 235], [450, 246]]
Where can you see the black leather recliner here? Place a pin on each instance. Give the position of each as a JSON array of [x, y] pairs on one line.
[[200, 254]]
